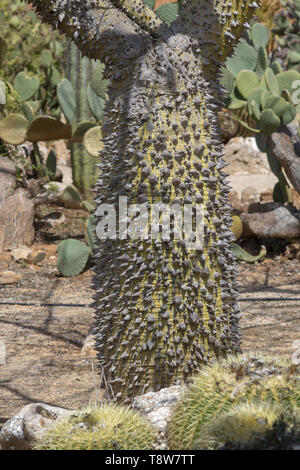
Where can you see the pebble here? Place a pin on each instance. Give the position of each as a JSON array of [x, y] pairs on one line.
[[9, 277]]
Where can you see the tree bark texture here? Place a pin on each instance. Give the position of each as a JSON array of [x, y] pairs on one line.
[[162, 309]]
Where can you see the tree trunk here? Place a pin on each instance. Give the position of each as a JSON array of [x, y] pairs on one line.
[[163, 307]]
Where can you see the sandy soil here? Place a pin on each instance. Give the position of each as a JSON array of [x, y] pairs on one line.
[[44, 359]]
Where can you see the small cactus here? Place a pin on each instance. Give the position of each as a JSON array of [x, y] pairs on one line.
[[92, 141], [237, 380], [167, 12], [47, 128], [67, 99], [13, 129], [241, 426], [107, 427], [26, 86], [73, 256]]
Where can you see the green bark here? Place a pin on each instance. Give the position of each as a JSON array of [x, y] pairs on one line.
[[162, 309]]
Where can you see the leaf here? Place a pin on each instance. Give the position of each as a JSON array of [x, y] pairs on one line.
[[167, 12], [286, 80], [93, 141], [227, 80], [90, 237], [269, 122], [150, 3], [240, 253], [51, 163], [262, 61], [261, 142], [46, 59], [13, 129], [25, 86], [80, 131], [73, 256], [255, 95], [71, 197], [2, 93], [66, 98], [47, 128], [96, 103], [272, 81], [236, 226], [98, 83], [27, 111], [236, 100], [246, 82], [260, 35], [3, 49], [245, 58]]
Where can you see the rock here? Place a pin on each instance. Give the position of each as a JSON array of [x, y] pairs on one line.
[[89, 346], [271, 220], [9, 277], [248, 196], [248, 171], [55, 219], [285, 145], [292, 251], [16, 221], [244, 157], [21, 254], [7, 178], [31, 423], [157, 406]]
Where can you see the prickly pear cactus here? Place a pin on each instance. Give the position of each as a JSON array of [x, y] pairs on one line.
[[162, 309]]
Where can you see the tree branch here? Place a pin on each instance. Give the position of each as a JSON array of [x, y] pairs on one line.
[[216, 25], [141, 14], [99, 29]]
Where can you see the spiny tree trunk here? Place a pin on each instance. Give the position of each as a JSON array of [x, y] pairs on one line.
[[162, 309]]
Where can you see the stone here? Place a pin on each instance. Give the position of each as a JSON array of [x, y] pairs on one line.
[[31, 423], [9, 277], [157, 406], [271, 220], [89, 346], [244, 157], [249, 196], [21, 254], [285, 145], [248, 172], [16, 221], [7, 178]]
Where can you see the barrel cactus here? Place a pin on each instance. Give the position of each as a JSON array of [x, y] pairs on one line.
[[106, 427], [227, 383], [162, 308], [248, 426]]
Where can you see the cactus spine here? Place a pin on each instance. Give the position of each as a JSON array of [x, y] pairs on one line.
[[162, 309], [80, 72]]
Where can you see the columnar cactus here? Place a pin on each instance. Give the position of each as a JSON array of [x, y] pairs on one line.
[[80, 73], [162, 309]]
